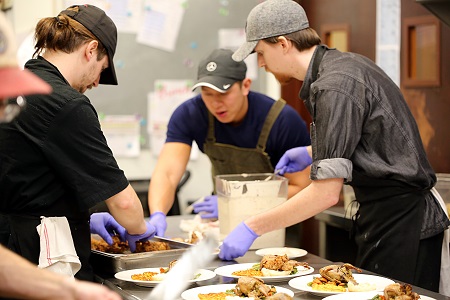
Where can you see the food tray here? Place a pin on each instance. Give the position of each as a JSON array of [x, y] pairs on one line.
[[110, 263]]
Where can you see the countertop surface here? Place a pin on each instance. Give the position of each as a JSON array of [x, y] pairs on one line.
[[129, 290]]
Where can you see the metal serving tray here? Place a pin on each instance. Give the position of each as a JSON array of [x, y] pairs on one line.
[[109, 263]]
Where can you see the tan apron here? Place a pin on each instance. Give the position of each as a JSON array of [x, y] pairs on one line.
[[229, 159]]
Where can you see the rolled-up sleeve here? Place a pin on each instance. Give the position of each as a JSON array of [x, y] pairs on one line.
[[332, 168]]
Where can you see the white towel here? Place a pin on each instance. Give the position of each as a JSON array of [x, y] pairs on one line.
[[444, 286], [57, 250]]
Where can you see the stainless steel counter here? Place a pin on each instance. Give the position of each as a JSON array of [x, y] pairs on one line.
[[131, 291]]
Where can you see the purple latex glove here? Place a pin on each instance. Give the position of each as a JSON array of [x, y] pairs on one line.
[[106, 226], [133, 238], [237, 243], [209, 206], [158, 219], [294, 160]]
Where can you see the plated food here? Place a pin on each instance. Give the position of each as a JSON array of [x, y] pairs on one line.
[[304, 283], [246, 287], [271, 268], [391, 292], [149, 277], [290, 252]]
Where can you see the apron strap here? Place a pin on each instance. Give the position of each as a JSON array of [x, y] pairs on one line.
[[273, 114], [211, 136]]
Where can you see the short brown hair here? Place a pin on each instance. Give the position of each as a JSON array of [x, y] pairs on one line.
[[303, 39], [63, 33]]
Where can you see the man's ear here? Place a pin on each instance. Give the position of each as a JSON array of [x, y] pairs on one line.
[[246, 84], [91, 49], [284, 43]]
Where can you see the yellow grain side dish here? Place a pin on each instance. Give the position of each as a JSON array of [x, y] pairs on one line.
[[328, 287], [213, 296], [147, 276], [248, 272]]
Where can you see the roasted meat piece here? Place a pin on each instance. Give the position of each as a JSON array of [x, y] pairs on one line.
[[253, 287], [119, 247], [397, 291], [149, 246], [339, 273], [279, 263]]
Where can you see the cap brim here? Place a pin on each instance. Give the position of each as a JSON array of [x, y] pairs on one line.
[[17, 82], [244, 50], [219, 84], [108, 76]]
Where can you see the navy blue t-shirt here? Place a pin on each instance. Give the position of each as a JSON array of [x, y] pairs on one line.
[[189, 122]]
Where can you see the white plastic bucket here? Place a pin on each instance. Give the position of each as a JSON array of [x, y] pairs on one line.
[[243, 195]]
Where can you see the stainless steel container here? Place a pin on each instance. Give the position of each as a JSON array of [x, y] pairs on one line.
[[108, 263]]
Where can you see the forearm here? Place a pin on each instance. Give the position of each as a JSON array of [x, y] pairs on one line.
[[298, 181], [316, 197], [127, 209], [21, 279], [161, 194], [168, 171]]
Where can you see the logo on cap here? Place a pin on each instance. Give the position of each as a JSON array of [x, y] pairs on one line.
[[226, 86], [211, 67]]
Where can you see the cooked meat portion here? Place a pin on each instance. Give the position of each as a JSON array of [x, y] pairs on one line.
[[119, 247], [280, 263], [397, 291], [279, 296], [253, 287], [149, 246]]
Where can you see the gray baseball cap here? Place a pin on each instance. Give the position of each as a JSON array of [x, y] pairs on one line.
[[269, 19], [219, 71]]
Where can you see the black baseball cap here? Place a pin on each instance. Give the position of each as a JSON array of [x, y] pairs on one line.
[[219, 71], [103, 28]]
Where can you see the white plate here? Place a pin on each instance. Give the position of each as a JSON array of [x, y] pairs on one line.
[[301, 283], [290, 252], [362, 296], [126, 276], [192, 294], [229, 269]]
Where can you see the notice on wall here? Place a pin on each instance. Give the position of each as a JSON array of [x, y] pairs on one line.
[[122, 133], [167, 96], [160, 25]]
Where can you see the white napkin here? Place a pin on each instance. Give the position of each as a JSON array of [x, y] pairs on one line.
[[444, 287], [57, 250]]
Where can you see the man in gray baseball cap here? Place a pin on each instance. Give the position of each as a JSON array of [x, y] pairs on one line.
[[364, 135], [271, 19]]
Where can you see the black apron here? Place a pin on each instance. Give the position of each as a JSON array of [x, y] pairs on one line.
[[229, 159], [387, 225]]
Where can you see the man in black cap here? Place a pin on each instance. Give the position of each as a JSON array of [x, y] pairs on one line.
[[239, 130], [54, 158]]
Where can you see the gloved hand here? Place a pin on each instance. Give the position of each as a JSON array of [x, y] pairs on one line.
[[237, 242], [294, 160], [133, 238], [158, 219], [208, 205], [106, 226]]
